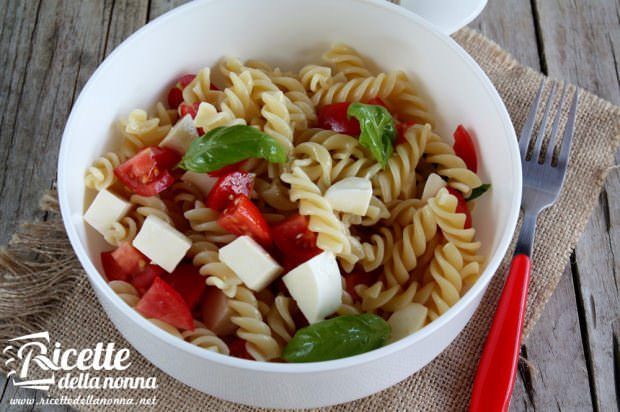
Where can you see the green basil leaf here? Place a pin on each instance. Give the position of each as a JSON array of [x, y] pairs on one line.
[[337, 338], [378, 131], [476, 192], [227, 145]]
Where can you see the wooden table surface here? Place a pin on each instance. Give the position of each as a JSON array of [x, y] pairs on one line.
[[48, 50]]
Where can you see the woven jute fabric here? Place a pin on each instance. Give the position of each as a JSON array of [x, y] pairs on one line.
[[43, 287]]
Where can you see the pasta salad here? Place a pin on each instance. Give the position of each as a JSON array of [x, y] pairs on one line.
[[288, 216]]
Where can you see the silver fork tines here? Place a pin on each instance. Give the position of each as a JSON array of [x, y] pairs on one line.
[[542, 177]]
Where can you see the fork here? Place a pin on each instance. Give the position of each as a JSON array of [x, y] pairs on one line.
[[542, 182]]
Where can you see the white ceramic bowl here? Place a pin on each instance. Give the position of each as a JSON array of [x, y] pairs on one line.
[[290, 33]]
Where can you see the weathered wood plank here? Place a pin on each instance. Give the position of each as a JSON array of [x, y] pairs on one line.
[[510, 23], [47, 51], [554, 363], [159, 7], [553, 359], [581, 41]]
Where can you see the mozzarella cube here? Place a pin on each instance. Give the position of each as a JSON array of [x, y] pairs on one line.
[[316, 286], [106, 209], [350, 195], [202, 181], [407, 320], [181, 136], [433, 184], [254, 266], [161, 243]]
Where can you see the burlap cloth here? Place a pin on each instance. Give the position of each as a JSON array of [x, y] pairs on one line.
[[52, 293]]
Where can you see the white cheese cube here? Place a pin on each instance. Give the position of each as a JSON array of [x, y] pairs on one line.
[[202, 181], [181, 136], [254, 266], [407, 320], [350, 195], [106, 209], [316, 286], [162, 243], [434, 182]]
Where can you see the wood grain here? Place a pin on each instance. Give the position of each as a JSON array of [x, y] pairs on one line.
[[581, 41], [48, 50], [550, 362]]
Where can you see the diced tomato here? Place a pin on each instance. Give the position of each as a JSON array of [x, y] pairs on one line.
[[377, 102], [227, 187], [238, 350], [188, 282], [216, 313], [295, 241], [401, 129], [122, 262], [227, 169], [358, 278], [214, 87], [334, 117], [461, 207], [162, 302], [242, 217], [465, 149], [148, 172], [143, 279], [191, 109], [175, 95]]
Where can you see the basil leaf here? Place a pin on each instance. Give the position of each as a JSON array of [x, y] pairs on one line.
[[476, 192], [227, 145], [378, 129], [337, 338]]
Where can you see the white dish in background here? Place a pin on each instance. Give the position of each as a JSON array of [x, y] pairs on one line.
[[290, 33], [447, 15]]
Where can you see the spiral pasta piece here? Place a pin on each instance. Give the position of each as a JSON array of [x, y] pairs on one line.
[[203, 337], [199, 89], [239, 96], [165, 116], [315, 77], [274, 194], [412, 245], [165, 326], [100, 175], [204, 220], [452, 225], [346, 60], [125, 291], [124, 230], [209, 118], [398, 178], [377, 210], [184, 195], [360, 89], [347, 306], [151, 205], [280, 319], [408, 103], [260, 344], [450, 165], [278, 119], [445, 269], [204, 255], [332, 234], [139, 131], [379, 250], [295, 91]]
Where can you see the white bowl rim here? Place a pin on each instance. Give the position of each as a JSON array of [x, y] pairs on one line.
[[311, 367]]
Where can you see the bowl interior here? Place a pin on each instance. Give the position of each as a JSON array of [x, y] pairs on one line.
[[289, 34]]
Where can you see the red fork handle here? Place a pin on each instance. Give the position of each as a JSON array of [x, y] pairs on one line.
[[498, 365]]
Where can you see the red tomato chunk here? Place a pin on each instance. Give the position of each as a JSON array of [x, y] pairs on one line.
[[162, 302], [175, 95], [122, 262], [334, 117], [465, 149], [188, 282], [242, 217], [295, 241], [227, 187], [148, 172]]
